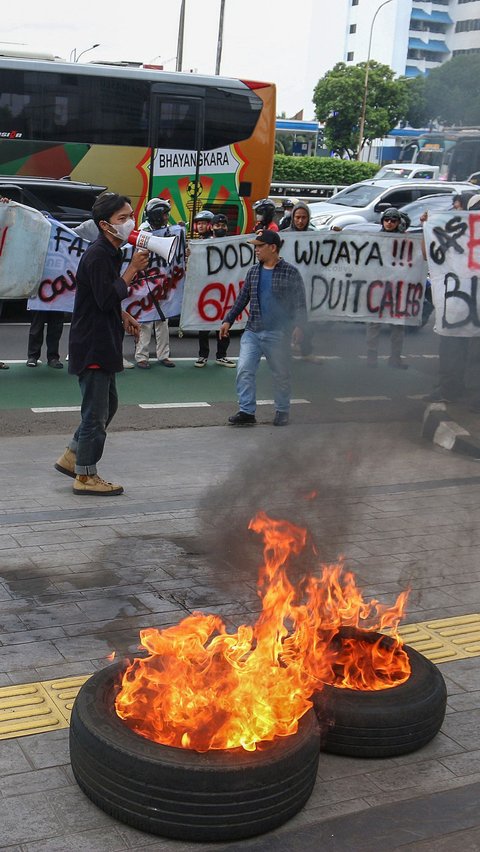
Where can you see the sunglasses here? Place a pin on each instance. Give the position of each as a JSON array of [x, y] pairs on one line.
[[392, 220]]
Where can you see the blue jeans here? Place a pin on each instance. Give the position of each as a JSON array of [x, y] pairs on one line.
[[99, 404], [275, 345]]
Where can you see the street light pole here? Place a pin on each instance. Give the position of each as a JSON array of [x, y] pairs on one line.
[[77, 58], [220, 37], [181, 27], [361, 128]]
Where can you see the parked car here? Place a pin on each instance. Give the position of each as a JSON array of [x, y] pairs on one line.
[[366, 201], [432, 203], [407, 171], [68, 201]]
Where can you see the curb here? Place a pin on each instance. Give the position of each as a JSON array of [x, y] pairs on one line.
[[439, 428]]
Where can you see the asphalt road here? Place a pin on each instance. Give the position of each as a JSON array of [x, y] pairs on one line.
[[338, 388]]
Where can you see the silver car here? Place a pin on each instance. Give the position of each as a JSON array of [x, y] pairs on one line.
[[367, 200]]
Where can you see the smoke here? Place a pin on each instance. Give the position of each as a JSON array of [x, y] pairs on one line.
[[292, 476]]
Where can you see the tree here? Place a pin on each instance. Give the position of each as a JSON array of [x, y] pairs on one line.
[[451, 91], [338, 100], [419, 111]]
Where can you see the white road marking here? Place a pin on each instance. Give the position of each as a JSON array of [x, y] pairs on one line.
[[360, 398], [175, 405], [292, 402], [53, 410]]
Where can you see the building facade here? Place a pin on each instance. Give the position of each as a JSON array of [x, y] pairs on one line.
[[411, 36]]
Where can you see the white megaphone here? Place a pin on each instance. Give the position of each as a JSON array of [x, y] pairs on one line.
[[164, 246]]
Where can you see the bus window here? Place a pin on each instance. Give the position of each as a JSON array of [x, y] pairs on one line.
[[465, 159], [141, 132]]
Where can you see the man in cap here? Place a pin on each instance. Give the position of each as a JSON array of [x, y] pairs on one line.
[[276, 294], [220, 225]]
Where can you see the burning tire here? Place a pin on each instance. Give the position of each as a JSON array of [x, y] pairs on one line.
[[182, 794], [386, 722]]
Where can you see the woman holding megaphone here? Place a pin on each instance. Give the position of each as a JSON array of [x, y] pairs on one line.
[[96, 337]]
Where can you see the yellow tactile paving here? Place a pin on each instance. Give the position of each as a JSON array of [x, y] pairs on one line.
[[445, 639], [63, 692], [33, 708]]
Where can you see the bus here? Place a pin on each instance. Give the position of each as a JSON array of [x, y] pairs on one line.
[[198, 141], [456, 151]]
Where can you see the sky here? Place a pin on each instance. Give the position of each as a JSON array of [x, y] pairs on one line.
[[261, 41]]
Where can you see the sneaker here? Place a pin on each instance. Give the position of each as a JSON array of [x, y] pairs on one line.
[[32, 362], [66, 463], [95, 485], [397, 364], [281, 418], [225, 362], [201, 362], [144, 365], [55, 364], [241, 418], [166, 362], [127, 365]]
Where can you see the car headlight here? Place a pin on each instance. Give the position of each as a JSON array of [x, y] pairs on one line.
[[322, 220]]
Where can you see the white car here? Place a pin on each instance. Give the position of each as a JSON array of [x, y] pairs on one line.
[[367, 200], [407, 171]]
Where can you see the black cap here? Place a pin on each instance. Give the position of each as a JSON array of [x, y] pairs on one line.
[[219, 219], [269, 238]]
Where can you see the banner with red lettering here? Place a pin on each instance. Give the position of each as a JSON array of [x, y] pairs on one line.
[[216, 271], [57, 286], [58, 282], [160, 282], [452, 241], [353, 277]]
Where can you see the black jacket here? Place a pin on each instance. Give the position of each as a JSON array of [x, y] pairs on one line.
[[96, 333]]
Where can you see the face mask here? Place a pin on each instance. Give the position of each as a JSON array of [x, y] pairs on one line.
[[220, 232], [123, 230]]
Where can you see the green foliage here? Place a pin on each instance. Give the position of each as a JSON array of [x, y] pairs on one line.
[[338, 98], [452, 91], [329, 170], [418, 112]]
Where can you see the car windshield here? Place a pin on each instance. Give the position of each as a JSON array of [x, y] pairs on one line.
[[387, 172], [352, 196]]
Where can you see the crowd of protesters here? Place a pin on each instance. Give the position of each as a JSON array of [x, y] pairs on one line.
[[273, 289]]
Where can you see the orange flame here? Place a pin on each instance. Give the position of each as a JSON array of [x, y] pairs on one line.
[[202, 688], [111, 656]]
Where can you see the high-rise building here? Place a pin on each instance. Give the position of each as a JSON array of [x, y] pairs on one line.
[[412, 36]]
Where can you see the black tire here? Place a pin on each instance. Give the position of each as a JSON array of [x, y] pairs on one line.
[[182, 794], [387, 722]]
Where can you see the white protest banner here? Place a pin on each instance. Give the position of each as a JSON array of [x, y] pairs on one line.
[[24, 235], [452, 241], [359, 277], [160, 282], [215, 273], [57, 287]]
